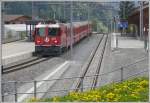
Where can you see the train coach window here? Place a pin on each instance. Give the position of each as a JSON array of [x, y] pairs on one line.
[[53, 31], [41, 31]]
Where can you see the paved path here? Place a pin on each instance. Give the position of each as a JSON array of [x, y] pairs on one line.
[[126, 42], [16, 51], [129, 51], [17, 47]]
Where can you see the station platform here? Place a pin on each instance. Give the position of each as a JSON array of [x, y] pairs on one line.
[[16, 51], [125, 42]]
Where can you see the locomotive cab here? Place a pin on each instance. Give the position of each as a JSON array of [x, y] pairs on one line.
[[54, 34], [47, 39]]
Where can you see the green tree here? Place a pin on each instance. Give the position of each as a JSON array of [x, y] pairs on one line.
[[126, 7], [99, 26], [61, 11]]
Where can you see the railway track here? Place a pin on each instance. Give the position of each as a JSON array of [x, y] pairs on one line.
[[99, 65], [102, 43], [24, 64]]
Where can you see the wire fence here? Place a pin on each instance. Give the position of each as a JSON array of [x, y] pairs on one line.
[[35, 84]]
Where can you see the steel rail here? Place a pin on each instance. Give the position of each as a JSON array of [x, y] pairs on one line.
[[79, 83], [99, 64], [23, 65]]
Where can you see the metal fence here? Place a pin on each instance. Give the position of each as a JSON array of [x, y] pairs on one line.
[[83, 87]]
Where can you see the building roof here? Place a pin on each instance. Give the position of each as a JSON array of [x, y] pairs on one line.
[[13, 17], [137, 9]]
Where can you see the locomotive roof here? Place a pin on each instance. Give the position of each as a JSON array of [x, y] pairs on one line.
[[41, 25], [57, 25], [54, 25], [77, 24]]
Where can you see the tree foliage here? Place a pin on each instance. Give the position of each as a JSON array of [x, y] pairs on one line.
[[126, 7], [45, 10], [99, 26], [58, 11]]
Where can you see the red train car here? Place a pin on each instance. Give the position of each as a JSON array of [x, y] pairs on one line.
[[53, 38]]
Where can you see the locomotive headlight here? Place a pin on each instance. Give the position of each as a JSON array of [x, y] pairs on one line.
[[38, 41], [55, 41]]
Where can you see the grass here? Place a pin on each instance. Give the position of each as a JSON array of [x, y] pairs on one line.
[[133, 90]]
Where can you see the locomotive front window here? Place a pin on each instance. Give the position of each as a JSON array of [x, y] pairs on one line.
[[53, 31], [41, 31]]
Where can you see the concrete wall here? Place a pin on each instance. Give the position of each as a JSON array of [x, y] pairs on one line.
[[14, 32]]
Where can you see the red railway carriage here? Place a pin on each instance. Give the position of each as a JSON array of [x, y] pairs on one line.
[[52, 38]]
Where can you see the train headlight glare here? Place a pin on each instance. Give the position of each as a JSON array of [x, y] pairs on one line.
[[55, 41], [38, 41]]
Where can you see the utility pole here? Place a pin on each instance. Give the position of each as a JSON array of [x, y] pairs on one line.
[[32, 11], [141, 19], [149, 31], [111, 25], [1, 33], [124, 15], [64, 10], [88, 17], [108, 23], [71, 28], [58, 12], [53, 12], [114, 24], [33, 17], [124, 11], [2, 20]]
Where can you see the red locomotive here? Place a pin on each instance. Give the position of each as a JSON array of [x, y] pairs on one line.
[[53, 38]]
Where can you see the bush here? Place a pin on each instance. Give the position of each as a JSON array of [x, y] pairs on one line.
[[98, 26], [134, 90], [132, 30]]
